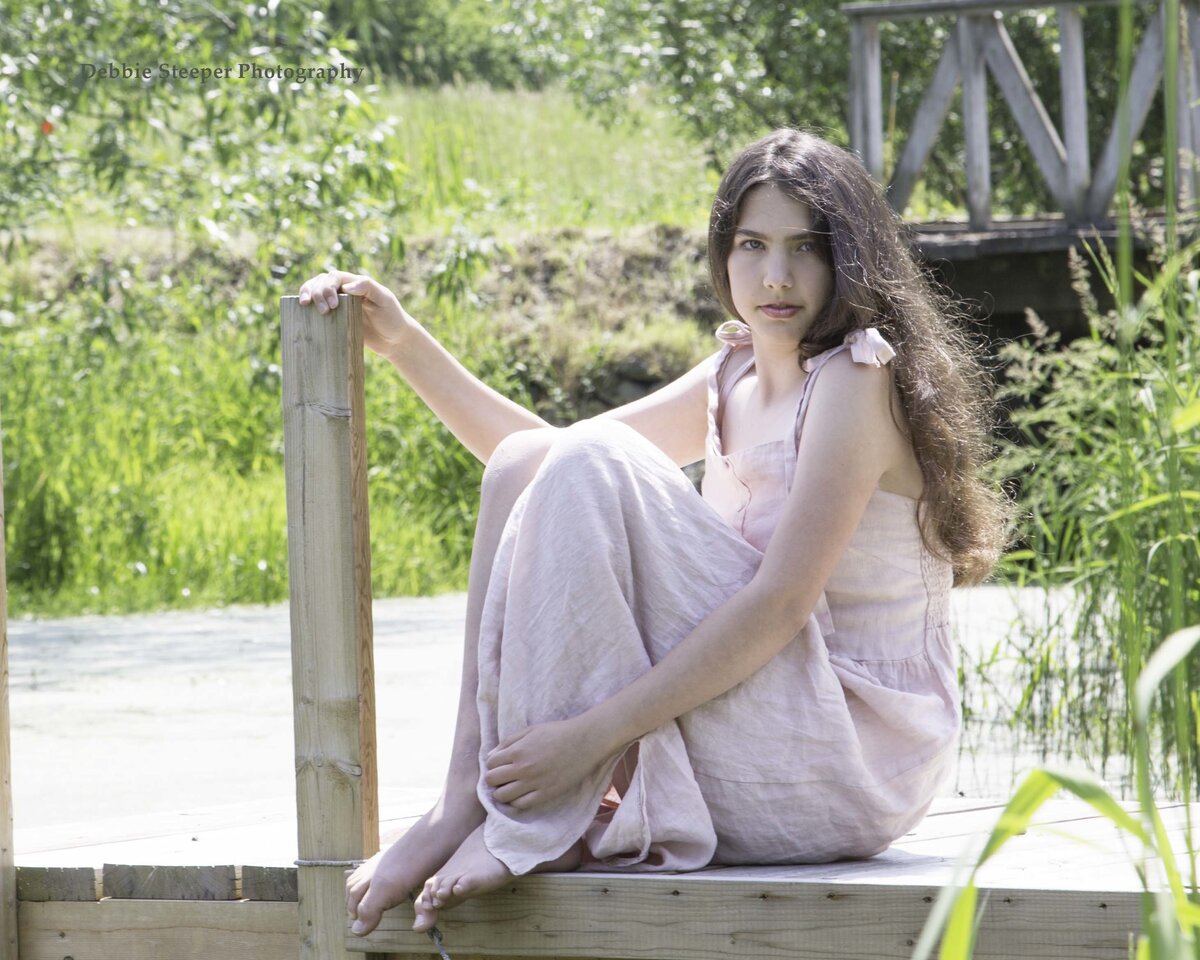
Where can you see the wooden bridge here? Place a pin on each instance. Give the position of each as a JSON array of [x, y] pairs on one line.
[[980, 45], [1003, 263]]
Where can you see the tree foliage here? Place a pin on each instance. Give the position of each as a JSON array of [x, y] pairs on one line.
[[435, 42], [248, 152]]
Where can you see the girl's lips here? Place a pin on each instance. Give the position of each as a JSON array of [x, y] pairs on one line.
[[779, 310]]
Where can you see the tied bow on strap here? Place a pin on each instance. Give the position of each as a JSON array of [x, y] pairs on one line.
[[733, 331], [868, 346]]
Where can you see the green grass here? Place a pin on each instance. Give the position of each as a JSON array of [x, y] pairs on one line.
[[139, 379], [517, 161]]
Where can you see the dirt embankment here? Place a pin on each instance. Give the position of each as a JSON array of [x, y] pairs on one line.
[[597, 318]]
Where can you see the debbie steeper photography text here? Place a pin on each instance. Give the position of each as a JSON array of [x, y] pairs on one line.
[[236, 71]]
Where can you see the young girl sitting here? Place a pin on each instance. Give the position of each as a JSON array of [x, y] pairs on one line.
[[656, 679]]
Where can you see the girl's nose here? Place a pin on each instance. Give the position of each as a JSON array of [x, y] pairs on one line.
[[778, 275]]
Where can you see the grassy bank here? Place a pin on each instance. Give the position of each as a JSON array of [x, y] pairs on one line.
[[139, 394]]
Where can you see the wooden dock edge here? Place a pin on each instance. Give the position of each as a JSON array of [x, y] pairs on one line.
[[581, 917], [155, 929], [667, 917]]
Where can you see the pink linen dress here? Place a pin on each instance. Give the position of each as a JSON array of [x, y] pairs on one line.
[[609, 558]]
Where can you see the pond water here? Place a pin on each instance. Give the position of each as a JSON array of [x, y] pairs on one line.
[[137, 715]]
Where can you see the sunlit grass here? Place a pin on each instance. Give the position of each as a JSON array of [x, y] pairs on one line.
[[520, 161]]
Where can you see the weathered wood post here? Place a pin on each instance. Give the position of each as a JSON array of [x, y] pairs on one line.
[[975, 121], [1187, 93], [866, 97], [329, 569], [1073, 79], [8, 869]]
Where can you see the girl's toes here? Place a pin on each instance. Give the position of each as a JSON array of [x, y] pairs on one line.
[[425, 909], [369, 911], [446, 888]]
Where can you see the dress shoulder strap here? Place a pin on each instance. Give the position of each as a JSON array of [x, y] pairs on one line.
[[866, 346], [733, 361]]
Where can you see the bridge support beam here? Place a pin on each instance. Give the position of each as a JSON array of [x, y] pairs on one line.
[[973, 68]]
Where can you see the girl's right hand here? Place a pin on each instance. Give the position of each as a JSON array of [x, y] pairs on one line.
[[386, 324]]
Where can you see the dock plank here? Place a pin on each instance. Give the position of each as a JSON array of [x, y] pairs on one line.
[[42, 884], [709, 918], [154, 929], [1065, 888], [156, 882]]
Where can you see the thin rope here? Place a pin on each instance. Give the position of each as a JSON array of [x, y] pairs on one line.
[[433, 933], [436, 936]]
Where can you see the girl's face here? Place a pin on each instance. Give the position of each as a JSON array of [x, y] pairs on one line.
[[777, 277]]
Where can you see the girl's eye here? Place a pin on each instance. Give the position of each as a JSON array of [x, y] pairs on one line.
[[751, 244], [806, 247]]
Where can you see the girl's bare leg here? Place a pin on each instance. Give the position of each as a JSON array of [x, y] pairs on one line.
[[393, 874]]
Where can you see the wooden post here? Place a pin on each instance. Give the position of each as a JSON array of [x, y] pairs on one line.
[[975, 122], [1185, 94], [1074, 110], [867, 80], [858, 135], [8, 868], [329, 566]]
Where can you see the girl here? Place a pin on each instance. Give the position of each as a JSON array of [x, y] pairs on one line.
[[657, 680]]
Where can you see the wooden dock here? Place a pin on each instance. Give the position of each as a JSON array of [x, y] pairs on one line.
[[1065, 889], [266, 882]]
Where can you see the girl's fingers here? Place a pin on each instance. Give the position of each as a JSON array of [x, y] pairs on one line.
[[498, 776], [322, 290], [509, 740], [509, 793], [498, 756], [527, 801], [331, 292]]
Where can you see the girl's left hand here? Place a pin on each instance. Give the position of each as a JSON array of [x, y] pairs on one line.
[[543, 763]]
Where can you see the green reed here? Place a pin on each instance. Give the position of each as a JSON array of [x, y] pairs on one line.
[[1110, 496], [1171, 918], [1111, 490]]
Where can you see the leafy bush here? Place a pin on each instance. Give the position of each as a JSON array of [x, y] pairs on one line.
[[1110, 491]]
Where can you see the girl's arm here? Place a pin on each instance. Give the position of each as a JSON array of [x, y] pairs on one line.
[[849, 442], [672, 418], [477, 415]]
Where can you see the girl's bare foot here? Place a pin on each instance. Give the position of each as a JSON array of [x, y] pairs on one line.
[[391, 876], [472, 871]]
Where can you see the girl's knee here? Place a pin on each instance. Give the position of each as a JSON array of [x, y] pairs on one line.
[[594, 437], [516, 459]]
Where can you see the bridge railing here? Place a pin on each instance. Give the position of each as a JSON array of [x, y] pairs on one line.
[[1082, 186]]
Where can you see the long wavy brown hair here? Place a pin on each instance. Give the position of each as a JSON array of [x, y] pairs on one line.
[[941, 383]]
